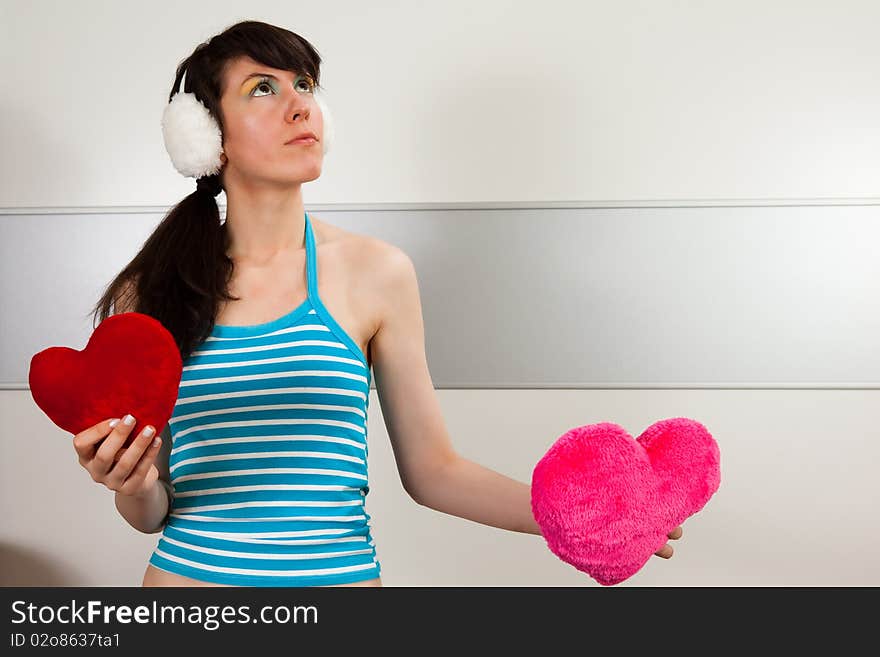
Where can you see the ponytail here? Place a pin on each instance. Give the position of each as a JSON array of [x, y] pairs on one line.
[[181, 273]]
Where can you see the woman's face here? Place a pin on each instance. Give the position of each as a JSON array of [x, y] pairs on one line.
[[261, 113]]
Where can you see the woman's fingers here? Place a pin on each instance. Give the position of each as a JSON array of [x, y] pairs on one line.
[[104, 456], [131, 459], [665, 552], [130, 469], [144, 474], [85, 441]]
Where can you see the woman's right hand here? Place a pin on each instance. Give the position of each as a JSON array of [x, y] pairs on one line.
[[128, 471]]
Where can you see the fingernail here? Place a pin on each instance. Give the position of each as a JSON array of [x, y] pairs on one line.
[[149, 431], [129, 420], [157, 442], [113, 423]]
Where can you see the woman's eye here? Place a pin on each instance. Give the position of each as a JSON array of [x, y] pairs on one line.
[[302, 83], [263, 84]]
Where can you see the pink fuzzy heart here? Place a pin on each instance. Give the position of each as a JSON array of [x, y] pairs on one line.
[[605, 502]]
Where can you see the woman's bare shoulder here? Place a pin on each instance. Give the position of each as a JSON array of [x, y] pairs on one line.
[[369, 254], [376, 270]]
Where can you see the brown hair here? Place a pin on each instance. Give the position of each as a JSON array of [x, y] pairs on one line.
[[182, 272]]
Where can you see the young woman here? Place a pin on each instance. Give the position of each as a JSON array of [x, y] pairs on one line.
[[279, 317]]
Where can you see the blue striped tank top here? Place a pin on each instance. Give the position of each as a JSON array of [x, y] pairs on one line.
[[269, 454]]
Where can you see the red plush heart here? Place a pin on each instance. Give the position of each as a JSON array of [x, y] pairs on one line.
[[605, 502], [131, 364]]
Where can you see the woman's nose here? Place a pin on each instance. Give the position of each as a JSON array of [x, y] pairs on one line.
[[299, 108]]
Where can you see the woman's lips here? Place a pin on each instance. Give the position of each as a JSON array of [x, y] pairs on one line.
[[303, 141]]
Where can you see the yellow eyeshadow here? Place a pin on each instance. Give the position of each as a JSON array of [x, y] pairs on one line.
[[250, 85]]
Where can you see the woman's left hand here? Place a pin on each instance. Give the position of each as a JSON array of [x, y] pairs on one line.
[[666, 551]]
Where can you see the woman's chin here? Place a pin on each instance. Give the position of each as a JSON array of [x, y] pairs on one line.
[[314, 174]]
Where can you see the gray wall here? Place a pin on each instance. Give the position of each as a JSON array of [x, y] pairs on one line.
[[549, 297]]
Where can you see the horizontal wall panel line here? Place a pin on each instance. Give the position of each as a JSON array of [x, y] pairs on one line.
[[620, 386], [489, 205]]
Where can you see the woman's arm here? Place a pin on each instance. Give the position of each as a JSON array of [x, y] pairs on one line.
[[149, 512], [431, 471], [468, 490]]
